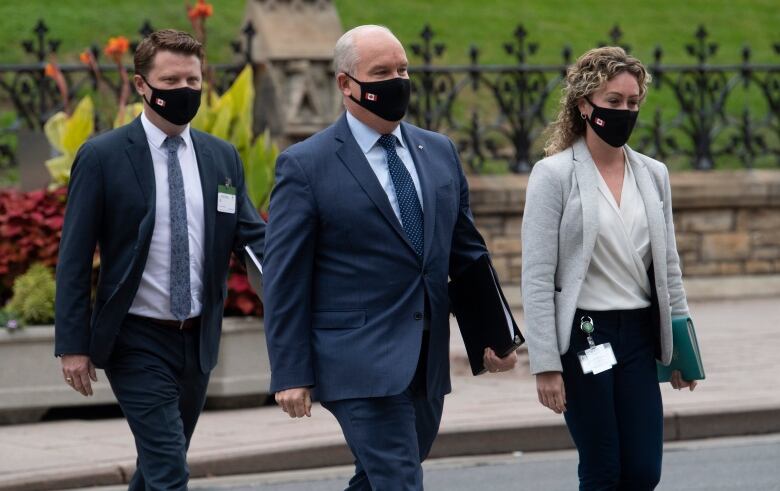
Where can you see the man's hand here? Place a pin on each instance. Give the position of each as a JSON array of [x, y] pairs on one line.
[[495, 364], [295, 402], [551, 391], [678, 383], [78, 370]]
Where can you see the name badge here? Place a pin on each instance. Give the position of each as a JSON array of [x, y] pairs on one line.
[[226, 199], [597, 358]]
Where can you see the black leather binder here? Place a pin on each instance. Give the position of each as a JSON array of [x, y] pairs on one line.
[[483, 313]]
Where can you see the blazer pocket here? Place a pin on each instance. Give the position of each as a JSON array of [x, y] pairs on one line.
[[338, 319]]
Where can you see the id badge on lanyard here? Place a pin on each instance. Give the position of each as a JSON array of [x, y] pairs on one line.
[[597, 358]]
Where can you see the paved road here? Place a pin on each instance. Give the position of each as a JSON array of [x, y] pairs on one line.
[[727, 464]]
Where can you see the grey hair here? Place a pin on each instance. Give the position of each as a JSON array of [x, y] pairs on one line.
[[345, 56]]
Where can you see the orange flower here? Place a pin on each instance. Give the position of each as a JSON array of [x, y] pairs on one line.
[[50, 71], [201, 10], [117, 47]]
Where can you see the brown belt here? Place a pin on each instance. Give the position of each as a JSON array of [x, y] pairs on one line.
[[174, 324]]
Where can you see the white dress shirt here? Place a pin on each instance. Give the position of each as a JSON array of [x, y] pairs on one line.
[[153, 298], [367, 139], [617, 276]]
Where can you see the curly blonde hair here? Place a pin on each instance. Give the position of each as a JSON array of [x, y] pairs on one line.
[[586, 76]]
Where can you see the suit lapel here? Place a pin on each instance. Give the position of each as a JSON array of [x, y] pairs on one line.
[[653, 209], [353, 158], [427, 186], [208, 184], [587, 182], [140, 158]]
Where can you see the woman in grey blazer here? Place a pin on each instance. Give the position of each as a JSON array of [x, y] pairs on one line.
[[600, 266]]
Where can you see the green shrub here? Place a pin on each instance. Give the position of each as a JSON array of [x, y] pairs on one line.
[[9, 320], [33, 297]]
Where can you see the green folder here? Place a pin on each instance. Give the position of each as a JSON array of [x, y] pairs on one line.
[[686, 356]]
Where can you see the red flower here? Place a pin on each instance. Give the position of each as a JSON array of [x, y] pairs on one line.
[[116, 47], [201, 10], [51, 71], [30, 230], [241, 298]]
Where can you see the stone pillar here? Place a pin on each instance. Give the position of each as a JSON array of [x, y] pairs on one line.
[[292, 51]]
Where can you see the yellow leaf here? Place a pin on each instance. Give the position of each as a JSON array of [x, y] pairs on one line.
[[78, 126], [259, 170], [131, 112], [59, 168], [206, 116], [55, 129], [224, 117], [242, 94]]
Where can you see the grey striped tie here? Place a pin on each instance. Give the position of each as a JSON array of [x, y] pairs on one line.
[[181, 302]]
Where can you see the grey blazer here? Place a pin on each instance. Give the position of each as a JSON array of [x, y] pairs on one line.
[[560, 226]]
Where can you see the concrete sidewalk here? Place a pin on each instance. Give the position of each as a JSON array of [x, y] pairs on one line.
[[493, 413]]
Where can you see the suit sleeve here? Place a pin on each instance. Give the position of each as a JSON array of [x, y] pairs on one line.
[[467, 243], [677, 298], [289, 262], [250, 229], [541, 224], [83, 216]]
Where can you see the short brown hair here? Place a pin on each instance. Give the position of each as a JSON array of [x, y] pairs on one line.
[[164, 40]]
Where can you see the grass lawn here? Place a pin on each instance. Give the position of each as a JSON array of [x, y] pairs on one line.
[[458, 23], [488, 24]]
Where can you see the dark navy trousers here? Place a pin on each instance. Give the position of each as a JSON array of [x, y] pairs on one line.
[[390, 436], [616, 417], [155, 375]]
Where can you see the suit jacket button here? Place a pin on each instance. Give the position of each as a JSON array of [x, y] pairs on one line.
[[418, 316]]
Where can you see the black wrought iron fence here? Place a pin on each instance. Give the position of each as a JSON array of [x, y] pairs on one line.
[[34, 97], [698, 115]]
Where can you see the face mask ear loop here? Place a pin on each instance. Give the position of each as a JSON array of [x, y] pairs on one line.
[[355, 99], [148, 85]]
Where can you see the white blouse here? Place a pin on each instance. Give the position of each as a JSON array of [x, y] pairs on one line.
[[617, 276]]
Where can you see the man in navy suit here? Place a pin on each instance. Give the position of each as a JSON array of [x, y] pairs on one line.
[[367, 220], [166, 205]]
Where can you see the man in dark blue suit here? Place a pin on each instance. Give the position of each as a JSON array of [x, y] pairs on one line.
[[165, 204], [367, 220]]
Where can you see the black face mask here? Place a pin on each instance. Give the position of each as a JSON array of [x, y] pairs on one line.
[[177, 106], [614, 126], [388, 99]]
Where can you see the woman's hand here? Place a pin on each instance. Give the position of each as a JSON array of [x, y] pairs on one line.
[[678, 382], [551, 392]]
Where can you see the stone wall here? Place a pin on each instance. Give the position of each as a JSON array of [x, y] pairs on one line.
[[727, 222]]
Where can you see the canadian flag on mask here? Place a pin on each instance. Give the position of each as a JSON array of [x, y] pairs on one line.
[[371, 97], [599, 121], [159, 102]]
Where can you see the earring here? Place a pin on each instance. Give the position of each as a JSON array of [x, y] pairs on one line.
[[582, 115]]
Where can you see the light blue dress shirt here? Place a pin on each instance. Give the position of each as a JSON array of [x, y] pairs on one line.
[[367, 139]]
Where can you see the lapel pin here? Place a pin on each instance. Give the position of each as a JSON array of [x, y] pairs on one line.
[[420, 147]]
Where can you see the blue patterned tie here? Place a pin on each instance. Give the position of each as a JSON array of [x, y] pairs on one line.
[[408, 202], [180, 246]]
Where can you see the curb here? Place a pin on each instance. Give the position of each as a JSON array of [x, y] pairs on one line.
[[678, 425]]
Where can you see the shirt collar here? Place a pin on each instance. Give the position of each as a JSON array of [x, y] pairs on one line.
[[156, 136], [366, 136]]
